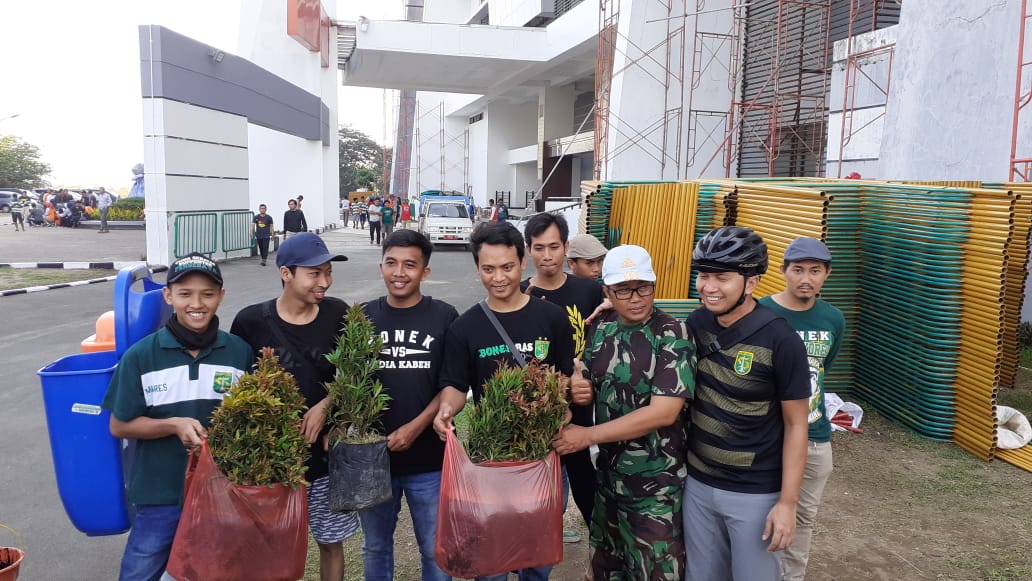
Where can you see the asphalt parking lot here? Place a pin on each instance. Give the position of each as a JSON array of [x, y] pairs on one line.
[[44, 326]]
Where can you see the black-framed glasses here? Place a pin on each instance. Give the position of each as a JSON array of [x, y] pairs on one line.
[[643, 291]]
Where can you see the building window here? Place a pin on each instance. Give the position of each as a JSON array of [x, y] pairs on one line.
[[475, 118]]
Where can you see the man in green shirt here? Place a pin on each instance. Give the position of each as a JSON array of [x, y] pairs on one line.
[[821, 326], [641, 367], [162, 395]]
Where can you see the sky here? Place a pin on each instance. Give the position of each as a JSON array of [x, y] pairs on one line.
[[70, 72]]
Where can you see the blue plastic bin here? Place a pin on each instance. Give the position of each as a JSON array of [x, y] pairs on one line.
[[87, 458]]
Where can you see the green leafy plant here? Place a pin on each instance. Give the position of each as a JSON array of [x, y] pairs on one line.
[[519, 414], [356, 395], [117, 214], [255, 435]]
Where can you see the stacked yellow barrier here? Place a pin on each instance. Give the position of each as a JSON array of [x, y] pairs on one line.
[[661, 219], [780, 214]]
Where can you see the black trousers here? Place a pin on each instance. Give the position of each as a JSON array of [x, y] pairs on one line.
[[263, 247], [374, 227]]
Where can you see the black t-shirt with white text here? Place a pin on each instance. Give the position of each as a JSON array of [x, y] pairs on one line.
[[539, 330], [310, 343], [410, 364]]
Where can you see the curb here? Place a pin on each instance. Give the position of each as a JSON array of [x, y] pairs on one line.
[[33, 289], [73, 265]]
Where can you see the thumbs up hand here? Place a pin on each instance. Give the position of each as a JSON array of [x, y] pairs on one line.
[[580, 386]]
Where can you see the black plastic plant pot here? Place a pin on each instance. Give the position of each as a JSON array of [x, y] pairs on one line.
[[360, 476]]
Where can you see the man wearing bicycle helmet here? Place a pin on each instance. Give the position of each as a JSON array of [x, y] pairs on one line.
[[748, 433]]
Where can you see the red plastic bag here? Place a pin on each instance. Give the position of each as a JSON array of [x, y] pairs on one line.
[[229, 532], [497, 516]]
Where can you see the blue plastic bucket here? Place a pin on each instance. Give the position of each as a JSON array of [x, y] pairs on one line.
[[87, 458]]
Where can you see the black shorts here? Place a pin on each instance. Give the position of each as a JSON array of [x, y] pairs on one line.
[[17, 217]]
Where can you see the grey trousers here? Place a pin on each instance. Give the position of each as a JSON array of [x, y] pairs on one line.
[[723, 535]]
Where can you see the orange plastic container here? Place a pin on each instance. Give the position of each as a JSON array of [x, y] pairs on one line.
[[104, 338]]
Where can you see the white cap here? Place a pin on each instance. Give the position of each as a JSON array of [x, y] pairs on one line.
[[627, 262]]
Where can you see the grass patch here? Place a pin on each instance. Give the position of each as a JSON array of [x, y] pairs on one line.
[[15, 278], [1019, 399]]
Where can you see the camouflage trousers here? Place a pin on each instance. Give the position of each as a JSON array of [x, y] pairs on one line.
[[637, 539]]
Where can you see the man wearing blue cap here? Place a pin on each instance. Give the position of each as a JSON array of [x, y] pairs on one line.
[[302, 326], [821, 326]]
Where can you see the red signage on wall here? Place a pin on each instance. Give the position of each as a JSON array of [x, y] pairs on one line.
[[308, 24]]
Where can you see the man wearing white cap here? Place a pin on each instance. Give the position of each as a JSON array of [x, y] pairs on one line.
[[821, 326], [642, 369]]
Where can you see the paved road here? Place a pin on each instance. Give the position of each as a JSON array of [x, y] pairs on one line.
[[41, 327]]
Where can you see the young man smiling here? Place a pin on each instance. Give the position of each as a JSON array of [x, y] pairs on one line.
[[538, 329], [821, 326], [747, 438], [546, 236], [162, 394], [302, 326], [642, 367], [413, 328]]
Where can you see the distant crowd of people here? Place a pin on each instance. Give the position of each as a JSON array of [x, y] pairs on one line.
[[61, 208]]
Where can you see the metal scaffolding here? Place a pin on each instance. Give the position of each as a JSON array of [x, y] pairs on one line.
[[715, 52], [439, 152], [659, 137], [855, 75], [1021, 145]]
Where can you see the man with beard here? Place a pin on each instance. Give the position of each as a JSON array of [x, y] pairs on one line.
[[821, 326]]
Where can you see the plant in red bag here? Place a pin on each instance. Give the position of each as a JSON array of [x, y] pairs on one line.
[[360, 468], [521, 411], [245, 510], [515, 488]]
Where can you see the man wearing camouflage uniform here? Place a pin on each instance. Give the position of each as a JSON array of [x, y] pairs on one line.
[[642, 369]]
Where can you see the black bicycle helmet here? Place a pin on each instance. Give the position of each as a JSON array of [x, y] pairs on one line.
[[731, 249]]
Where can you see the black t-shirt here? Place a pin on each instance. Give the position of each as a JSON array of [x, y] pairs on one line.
[[737, 432], [578, 297], [410, 364], [539, 330], [294, 221], [305, 359], [262, 226]]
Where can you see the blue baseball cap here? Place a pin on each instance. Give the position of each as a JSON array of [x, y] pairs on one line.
[[804, 248], [305, 249]]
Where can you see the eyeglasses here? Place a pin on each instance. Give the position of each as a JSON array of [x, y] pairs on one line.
[[643, 291]]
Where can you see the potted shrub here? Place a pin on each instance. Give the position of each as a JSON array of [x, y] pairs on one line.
[[504, 512], [11, 558], [520, 412], [360, 467], [245, 508]]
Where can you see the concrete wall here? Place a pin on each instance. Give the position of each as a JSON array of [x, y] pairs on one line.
[[282, 166], [951, 103], [651, 109], [518, 12], [510, 126], [194, 159]]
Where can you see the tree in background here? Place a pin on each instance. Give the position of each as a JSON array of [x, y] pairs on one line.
[[20, 165], [361, 161]]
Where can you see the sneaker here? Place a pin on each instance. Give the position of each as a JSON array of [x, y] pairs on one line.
[[263, 263], [571, 537]]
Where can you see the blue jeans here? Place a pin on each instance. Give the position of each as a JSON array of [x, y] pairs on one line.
[[379, 522], [150, 542], [535, 573]]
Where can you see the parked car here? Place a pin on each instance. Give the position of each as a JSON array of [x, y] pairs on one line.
[[12, 196]]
